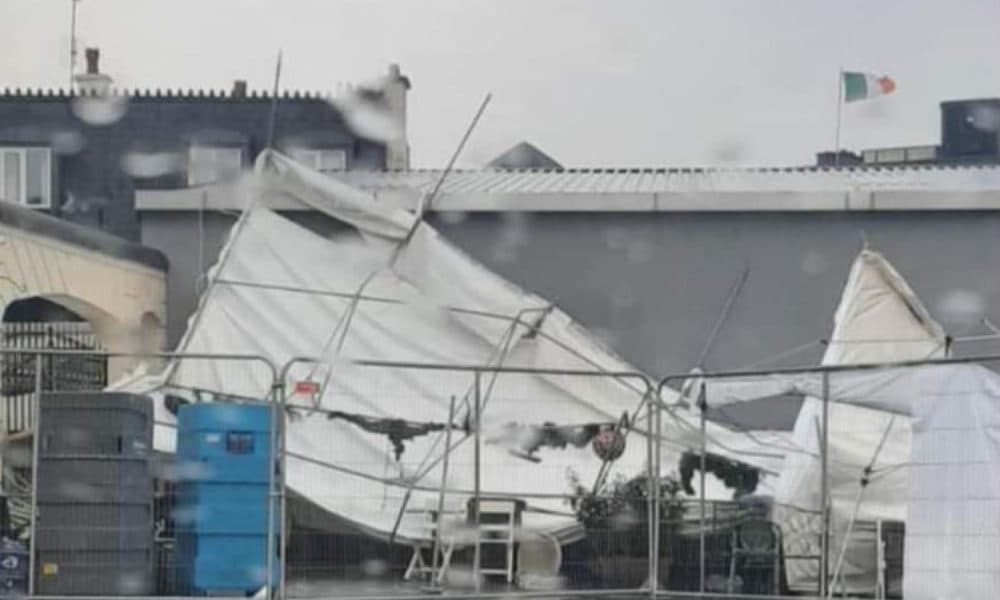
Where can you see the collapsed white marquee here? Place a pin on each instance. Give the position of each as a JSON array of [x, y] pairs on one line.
[[387, 287]]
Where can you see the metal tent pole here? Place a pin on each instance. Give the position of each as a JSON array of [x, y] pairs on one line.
[[435, 575], [651, 447], [703, 405], [657, 500], [477, 557], [824, 450]]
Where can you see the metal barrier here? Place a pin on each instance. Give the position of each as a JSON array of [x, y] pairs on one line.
[[416, 477], [89, 525], [814, 538], [471, 466]]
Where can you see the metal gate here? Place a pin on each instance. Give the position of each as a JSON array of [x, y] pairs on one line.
[[58, 372]]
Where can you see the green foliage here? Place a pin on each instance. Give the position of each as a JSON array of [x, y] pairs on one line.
[[616, 515]]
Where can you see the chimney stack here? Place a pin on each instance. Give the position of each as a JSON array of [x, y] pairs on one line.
[[93, 57], [395, 87], [239, 89], [93, 82]]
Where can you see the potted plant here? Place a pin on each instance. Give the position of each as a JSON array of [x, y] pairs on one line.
[[615, 517]]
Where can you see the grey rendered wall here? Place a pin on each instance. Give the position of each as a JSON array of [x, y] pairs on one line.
[[655, 283]]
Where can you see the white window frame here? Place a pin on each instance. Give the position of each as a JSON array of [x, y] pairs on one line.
[[313, 158], [203, 175], [22, 152]]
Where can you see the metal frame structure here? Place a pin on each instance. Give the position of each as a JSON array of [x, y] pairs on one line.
[[273, 486], [649, 396], [644, 400], [824, 372]]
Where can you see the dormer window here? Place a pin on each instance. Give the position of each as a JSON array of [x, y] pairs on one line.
[[210, 164], [321, 159], [26, 176]]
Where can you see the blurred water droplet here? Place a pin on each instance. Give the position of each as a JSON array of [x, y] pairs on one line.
[[623, 298], [78, 491], [984, 117], [452, 217], [131, 584], [184, 515], [962, 306], [732, 151], [191, 469], [504, 254], [257, 574], [368, 114], [66, 142], [873, 111], [462, 577], [607, 336], [375, 567], [17, 455], [616, 238], [639, 251], [814, 263], [100, 110], [143, 165]]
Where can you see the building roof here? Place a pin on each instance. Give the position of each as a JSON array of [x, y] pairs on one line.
[[21, 94], [89, 238], [925, 188], [633, 180], [524, 156]]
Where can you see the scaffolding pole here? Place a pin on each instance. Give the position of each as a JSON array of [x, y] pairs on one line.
[[824, 451]]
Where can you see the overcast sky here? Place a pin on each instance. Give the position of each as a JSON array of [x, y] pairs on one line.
[[593, 83]]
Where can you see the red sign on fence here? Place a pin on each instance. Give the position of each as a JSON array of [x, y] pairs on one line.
[[306, 388]]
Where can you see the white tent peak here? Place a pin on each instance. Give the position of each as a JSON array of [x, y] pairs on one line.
[[880, 318]]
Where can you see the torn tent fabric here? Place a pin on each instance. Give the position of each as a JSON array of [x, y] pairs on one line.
[[384, 287]]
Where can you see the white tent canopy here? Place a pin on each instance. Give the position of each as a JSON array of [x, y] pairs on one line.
[[389, 288], [879, 320], [952, 499]]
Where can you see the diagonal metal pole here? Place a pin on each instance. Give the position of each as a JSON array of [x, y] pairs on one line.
[[435, 575]]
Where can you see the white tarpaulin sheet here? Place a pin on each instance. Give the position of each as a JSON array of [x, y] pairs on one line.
[[390, 289], [952, 496], [879, 320]]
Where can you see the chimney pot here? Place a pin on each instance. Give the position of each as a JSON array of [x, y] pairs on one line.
[[93, 57], [239, 88]]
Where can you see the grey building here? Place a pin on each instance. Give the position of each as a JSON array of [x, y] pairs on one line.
[[970, 135], [82, 155]]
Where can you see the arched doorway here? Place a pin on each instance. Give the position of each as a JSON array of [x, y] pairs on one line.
[[38, 323]]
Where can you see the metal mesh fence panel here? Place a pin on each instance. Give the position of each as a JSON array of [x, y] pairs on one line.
[[408, 477]]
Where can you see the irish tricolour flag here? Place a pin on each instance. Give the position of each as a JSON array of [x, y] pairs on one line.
[[862, 86]]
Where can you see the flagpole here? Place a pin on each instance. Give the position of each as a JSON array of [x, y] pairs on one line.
[[840, 108]]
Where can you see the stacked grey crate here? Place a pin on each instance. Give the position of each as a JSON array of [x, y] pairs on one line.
[[95, 495]]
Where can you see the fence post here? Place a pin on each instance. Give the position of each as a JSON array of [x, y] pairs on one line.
[[279, 389], [272, 476], [35, 446], [478, 556], [824, 567], [703, 408], [651, 448]]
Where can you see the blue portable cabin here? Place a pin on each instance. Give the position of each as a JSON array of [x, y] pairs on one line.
[[224, 461]]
